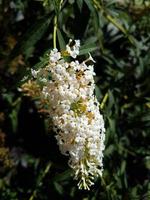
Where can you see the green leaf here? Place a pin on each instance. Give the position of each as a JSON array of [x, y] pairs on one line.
[[98, 92], [109, 150], [123, 167], [58, 188], [111, 99], [61, 40], [110, 3], [14, 114], [90, 5], [80, 4], [30, 38], [88, 48], [63, 176]]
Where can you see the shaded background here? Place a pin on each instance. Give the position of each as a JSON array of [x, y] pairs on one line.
[[117, 33]]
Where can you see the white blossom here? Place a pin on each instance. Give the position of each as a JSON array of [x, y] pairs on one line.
[[55, 55], [34, 73], [73, 50], [75, 113]]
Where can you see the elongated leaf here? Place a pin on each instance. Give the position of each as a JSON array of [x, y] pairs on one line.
[[63, 176], [88, 48], [80, 4], [90, 5], [61, 40], [58, 188], [98, 92], [31, 37]]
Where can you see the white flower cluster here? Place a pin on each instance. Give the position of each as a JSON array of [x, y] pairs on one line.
[[75, 113]]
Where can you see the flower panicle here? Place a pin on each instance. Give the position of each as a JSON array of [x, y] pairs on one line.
[[74, 111]]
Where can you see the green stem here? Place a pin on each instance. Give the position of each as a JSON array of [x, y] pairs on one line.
[[112, 20], [55, 32], [104, 101], [56, 25]]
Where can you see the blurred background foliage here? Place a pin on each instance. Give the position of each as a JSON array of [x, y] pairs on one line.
[[117, 33]]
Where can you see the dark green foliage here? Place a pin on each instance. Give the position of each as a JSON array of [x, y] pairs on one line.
[[118, 37]]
